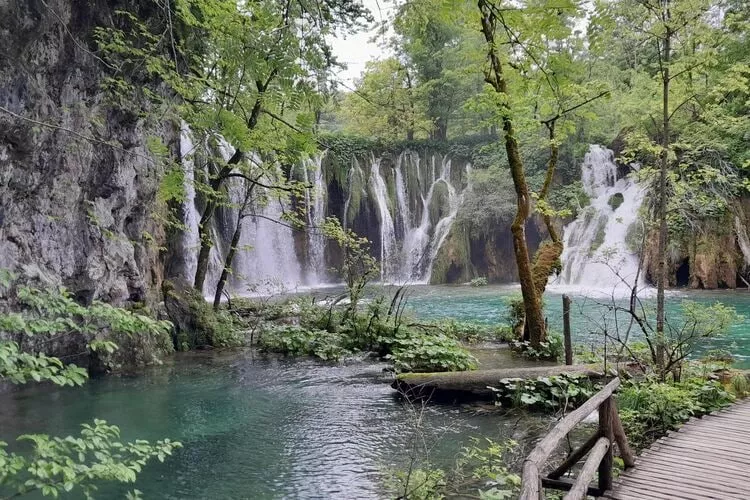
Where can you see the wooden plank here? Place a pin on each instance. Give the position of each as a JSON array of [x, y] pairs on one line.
[[721, 427], [701, 459], [633, 494], [672, 488], [690, 483], [666, 463], [703, 445], [695, 477], [642, 492], [728, 419], [716, 434], [598, 453]]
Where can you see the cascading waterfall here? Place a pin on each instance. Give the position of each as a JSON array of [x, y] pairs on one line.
[[190, 234], [596, 248], [413, 202], [410, 245], [387, 228], [743, 240], [266, 260], [315, 201]]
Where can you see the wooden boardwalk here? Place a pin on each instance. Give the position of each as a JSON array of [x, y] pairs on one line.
[[706, 458]]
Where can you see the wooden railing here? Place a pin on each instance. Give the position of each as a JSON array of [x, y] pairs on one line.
[[600, 445]]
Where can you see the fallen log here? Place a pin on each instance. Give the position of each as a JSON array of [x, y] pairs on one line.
[[474, 385]]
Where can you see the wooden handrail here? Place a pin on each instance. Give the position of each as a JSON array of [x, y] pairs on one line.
[[600, 444]]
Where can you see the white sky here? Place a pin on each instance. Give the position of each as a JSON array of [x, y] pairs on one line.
[[356, 50]]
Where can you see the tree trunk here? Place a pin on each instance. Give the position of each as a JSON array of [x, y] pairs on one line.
[[547, 257], [228, 263], [661, 277], [204, 226], [534, 322], [204, 233]]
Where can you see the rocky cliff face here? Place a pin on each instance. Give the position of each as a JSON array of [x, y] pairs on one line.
[[77, 182], [715, 255]]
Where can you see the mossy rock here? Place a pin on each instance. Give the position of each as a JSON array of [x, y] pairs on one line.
[[616, 200], [196, 324], [440, 202]]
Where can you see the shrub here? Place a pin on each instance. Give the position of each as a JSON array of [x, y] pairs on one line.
[[545, 393], [483, 466], [472, 332], [551, 349], [650, 409], [298, 341], [413, 350], [59, 465], [423, 483], [479, 281]]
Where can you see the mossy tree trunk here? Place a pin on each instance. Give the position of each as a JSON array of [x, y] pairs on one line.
[[534, 322]]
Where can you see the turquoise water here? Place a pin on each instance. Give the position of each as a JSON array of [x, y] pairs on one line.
[[261, 428], [258, 428], [590, 316]]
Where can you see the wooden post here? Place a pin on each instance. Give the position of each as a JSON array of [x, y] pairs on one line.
[[566, 331], [606, 430]]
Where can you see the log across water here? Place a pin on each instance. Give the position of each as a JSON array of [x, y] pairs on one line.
[[474, 385]]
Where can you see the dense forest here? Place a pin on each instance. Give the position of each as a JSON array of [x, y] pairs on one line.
[[218, 235]]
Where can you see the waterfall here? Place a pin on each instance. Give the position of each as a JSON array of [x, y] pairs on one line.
[[190, 220], [410, 203], [266, 260], [387, 229], [315, 203], [743, 240], [602, 241], [410, 242]]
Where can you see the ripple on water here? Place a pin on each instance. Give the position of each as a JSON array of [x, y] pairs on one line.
[[253, 427]]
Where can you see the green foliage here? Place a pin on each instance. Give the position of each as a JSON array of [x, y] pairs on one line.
[[479, 281], [421, 483], [739, 385], [469, 332], [551, 393], [649, 409], [21, 367], [571, 198], [299, 341], [550, 349], [483, 466], [331, 334], [55, 466], [43, 315], [414, 350], [385, 103], [358, 266]]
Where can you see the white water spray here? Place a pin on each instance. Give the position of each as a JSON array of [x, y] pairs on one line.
[[596, 248]]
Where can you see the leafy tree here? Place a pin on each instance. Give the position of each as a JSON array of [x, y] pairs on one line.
[[532, 84], [385, 103], [680, 44], [442, 52], [56, 465], [246, 78]]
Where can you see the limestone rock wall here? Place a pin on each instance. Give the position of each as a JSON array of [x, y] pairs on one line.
[[74, 211]]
